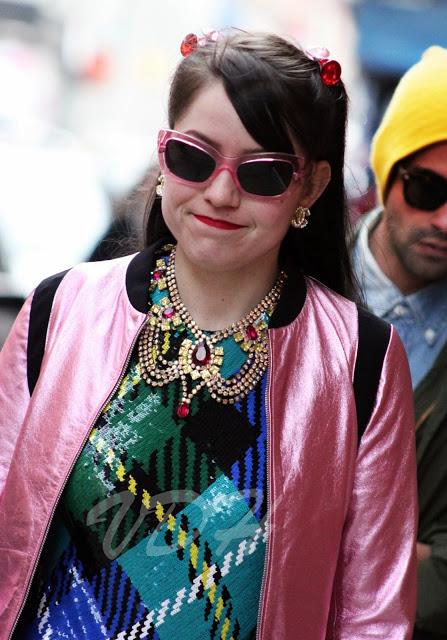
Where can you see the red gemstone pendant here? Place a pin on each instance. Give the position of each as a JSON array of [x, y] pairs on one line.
[[168, 312], [201, 354], [183, 410], [251, 332]]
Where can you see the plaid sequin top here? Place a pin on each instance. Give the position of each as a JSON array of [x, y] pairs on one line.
[[160, 532]]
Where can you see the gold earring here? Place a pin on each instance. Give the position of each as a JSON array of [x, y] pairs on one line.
[[160, 188], [299, 219]]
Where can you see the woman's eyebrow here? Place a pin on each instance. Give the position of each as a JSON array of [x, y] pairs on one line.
[[215, 145]]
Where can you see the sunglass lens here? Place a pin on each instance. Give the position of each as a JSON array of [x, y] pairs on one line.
[[265, 178], [187, 162], [425, 190]]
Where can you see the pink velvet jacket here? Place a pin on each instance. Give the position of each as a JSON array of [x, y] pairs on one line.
[[340, 559]]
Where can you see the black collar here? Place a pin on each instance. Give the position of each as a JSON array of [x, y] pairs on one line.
[[289, 306]]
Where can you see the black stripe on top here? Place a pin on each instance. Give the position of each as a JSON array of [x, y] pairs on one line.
[[38, 325]]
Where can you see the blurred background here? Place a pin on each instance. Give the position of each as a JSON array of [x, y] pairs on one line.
[[83, 89]]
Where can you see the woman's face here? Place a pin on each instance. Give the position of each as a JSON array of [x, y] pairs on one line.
[[217, 226]]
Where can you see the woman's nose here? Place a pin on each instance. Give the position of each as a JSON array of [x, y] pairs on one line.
[[222, 190]]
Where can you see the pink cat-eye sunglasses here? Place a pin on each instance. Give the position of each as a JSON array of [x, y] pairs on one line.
[[192, 161]]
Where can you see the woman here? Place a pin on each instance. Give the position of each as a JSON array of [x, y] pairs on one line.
[[180, 432]]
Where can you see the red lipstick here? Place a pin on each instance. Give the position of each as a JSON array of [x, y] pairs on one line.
[[219, 224]]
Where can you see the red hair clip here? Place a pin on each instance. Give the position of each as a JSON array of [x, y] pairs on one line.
[[191, 41], [189, 44], [330, 70]]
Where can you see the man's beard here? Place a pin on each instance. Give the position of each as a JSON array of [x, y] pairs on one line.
[[427, 268]]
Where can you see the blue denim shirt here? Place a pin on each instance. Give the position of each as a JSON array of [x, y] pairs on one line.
[[420, 318]]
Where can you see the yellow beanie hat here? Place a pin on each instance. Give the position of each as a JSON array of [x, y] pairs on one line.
[[415, 117]]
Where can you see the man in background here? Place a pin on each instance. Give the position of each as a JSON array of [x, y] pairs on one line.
[[400, 258]]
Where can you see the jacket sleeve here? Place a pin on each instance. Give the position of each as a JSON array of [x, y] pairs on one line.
[[432, 584], [14, 390], [375, 584]]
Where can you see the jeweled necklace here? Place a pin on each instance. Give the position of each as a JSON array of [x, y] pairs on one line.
[[165, 354]]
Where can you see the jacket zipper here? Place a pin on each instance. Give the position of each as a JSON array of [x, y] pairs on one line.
[[111, 394], [267, 466]]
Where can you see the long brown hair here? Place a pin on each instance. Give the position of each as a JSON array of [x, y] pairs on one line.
[[278, 94]]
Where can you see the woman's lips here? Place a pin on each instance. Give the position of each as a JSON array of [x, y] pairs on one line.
[[218, 224]]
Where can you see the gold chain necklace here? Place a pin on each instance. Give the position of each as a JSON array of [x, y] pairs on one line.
[[165, 355]]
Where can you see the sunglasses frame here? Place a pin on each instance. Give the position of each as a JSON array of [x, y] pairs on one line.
[[407, 174], [229, 163]]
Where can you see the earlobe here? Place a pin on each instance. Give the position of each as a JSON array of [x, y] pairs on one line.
[[318, 181]]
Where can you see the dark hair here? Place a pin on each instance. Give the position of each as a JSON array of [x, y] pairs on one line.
[[279, 95]]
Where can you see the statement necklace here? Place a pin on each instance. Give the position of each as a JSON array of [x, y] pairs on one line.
[[173, 346]]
